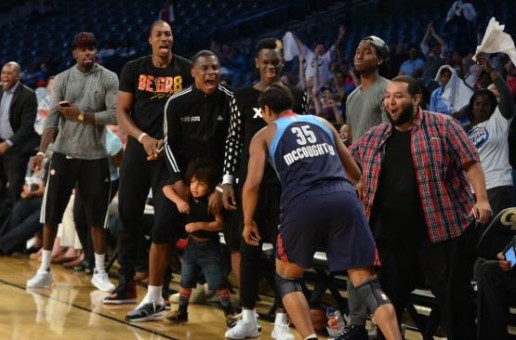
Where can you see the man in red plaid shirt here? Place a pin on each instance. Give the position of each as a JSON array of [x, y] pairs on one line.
[[419, 202]]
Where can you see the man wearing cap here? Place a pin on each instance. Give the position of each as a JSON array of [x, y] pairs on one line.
[[146, 84], [18, 139], [364, 109], [83, 103], [364, 106]]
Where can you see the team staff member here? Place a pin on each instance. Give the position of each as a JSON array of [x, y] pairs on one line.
[[18, 139], [319, 207], [246, 120], [83, 102], [145, 85]]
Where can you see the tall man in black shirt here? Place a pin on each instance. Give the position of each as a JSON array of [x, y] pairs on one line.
[[246, 120], [145, 85]]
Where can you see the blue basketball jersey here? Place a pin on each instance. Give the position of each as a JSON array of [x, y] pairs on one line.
[[304, 155]]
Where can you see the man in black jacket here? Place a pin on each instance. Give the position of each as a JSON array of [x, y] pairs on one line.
[[18, 139]]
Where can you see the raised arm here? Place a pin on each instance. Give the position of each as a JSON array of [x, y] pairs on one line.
[[506, 104]]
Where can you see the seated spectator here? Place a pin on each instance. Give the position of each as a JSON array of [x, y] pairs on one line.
[[452, 93], [23, 221], [496, 292], [414, 65]]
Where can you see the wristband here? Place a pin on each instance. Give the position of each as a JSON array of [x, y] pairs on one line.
[[140, 137], [219, 189], [40, 153], [227, 179]]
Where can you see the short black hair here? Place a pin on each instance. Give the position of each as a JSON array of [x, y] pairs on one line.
[[158, 22], [203, 53], [204, 171], [269, 44], [277, 97], [413, 85]]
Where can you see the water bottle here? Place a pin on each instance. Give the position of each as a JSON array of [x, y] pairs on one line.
[[335, 323]]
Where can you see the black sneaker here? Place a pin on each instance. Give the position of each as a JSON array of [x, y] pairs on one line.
[[147, 312], [177, 316], [353, 332], [124, 293]]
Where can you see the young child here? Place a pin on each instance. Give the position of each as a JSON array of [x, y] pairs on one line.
[[203, 251]]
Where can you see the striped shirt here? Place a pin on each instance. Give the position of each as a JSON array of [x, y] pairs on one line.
[[440, 149]]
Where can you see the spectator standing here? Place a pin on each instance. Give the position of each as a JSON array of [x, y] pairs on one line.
[[421, 216], [146, 83], [246, 120], [18, 139], [364, 107], [83, 102]]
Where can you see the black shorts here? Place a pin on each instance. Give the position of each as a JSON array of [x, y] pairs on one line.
[[333, 220], [92, 180]]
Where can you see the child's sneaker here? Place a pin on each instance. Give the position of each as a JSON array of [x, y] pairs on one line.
[[177, 316]]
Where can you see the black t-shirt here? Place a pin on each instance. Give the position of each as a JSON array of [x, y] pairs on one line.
[[151, 86], [251, 121], [199, 213], [196, 127], [397, 211]]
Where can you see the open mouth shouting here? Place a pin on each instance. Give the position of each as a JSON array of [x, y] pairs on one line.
[[210, 83], [164, 48]]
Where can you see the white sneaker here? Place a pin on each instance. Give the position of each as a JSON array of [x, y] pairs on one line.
[[42, 279], [243, 330], [281, 331], [101, 281]]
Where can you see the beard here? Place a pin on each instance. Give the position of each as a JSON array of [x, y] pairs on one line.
[[405, 116]]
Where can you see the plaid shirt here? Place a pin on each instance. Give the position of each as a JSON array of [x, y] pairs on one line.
[[440, 149]]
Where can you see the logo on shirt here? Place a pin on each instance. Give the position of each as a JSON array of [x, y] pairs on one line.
[[478, 136], [161, 87], [190, 119], [257, 112]]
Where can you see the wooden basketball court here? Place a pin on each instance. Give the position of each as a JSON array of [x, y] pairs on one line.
[[73, 309]]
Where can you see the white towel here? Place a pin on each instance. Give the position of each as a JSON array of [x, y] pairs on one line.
[[496, 40], [290, 49]]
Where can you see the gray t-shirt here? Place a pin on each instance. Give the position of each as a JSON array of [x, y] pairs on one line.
[[94, 93], [364, 108]]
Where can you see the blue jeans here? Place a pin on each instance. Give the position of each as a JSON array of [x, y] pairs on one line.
[[208, 258]]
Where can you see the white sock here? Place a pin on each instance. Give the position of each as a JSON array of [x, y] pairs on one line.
[[46, 257], [99, 263], [281, 319], [311, 336], [248, 316], [154, 294]]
